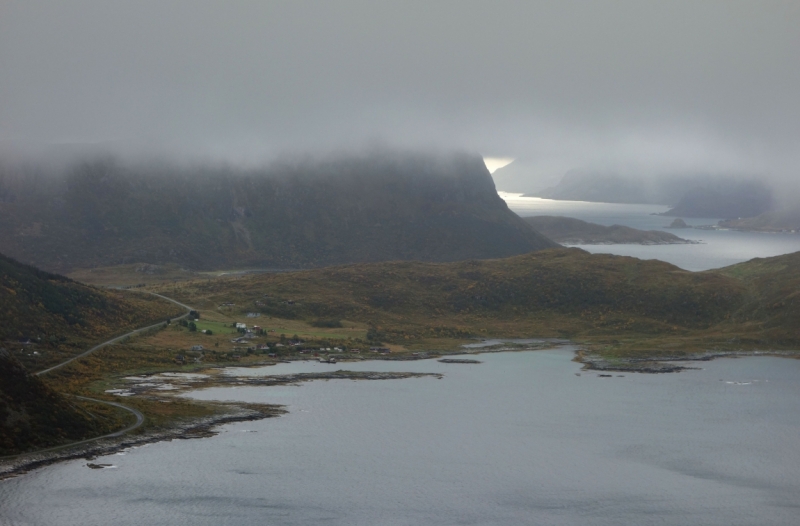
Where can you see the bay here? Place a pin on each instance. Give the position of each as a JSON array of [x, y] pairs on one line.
[[718, 248], [517, 439]]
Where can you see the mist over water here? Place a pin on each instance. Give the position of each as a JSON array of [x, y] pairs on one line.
[[518, 439], [718, 248]]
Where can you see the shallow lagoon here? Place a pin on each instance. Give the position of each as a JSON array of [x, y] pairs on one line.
[[518, 439]]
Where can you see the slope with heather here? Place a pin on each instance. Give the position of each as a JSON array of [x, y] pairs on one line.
[[46, 318], [558, 292]]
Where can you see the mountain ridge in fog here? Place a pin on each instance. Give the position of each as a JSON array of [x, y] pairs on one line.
[[295, 213], [687, 194]]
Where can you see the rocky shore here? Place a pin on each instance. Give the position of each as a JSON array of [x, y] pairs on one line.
[[178, 430], [157, 385], [663, 363], [154, 386]]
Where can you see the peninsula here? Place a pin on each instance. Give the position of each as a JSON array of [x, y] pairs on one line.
[[571, 231]]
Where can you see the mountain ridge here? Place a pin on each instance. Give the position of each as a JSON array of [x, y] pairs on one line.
[[304, 214]]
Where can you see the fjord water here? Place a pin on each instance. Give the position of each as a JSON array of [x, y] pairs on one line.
[[718, 248], [518, 439]]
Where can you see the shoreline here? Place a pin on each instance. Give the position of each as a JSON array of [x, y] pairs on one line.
[[580, 243], [665, 363], [196, 428], [202, 427], [232, 412]]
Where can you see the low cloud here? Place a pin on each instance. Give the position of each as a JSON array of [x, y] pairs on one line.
[[638, 87]]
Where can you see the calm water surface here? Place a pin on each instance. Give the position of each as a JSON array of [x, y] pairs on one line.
[[719, 248], [518, 439]]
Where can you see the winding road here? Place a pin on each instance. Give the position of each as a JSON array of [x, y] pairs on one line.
[[139, 416], [118, 338], [139, 421]]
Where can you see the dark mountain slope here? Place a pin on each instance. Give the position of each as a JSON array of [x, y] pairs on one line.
[[34, 416], [46, 318], [307, 214]]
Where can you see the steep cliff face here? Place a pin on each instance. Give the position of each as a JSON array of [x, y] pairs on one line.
[[305, 214]]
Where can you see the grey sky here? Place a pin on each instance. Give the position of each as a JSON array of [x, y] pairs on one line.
[[635, 85]]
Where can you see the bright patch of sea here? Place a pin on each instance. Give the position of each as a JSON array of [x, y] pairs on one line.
[[518, 439], [719, 248]]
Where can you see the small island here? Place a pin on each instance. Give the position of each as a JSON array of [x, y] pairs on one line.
[[678, 223], [458, 360], [571, 231]]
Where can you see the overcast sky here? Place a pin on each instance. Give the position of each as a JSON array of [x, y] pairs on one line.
[[658, 86]]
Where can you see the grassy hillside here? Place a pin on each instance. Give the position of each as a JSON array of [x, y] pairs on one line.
[[291, 215], [772, 309], [573, 231], [46, 318], [553, 293], [558, 292], [34, 416]]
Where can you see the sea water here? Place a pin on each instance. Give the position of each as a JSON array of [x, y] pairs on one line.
[[522, 438], [717, 248]]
